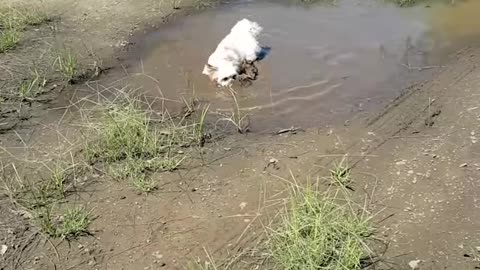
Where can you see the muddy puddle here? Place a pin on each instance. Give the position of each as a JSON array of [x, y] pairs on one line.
[[327, 64]]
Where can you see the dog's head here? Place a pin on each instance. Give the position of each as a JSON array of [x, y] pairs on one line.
[[224, 75]]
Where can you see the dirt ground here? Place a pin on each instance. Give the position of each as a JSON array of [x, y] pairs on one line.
[[415, 165]]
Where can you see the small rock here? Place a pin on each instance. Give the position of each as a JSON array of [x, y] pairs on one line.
[[414, 264], [463, 165], [121, 43], [157, 255], [242, 205], [3, 250], [91, 262]]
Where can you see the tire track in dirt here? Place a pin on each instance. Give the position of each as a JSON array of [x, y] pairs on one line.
[[417, 105]]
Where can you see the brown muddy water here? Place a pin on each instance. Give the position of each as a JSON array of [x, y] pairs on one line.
[[327, 64]]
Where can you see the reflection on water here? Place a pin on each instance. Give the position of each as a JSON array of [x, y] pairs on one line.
[[327, 62], [456, 21]]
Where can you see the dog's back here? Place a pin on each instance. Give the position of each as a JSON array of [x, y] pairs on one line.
[[247, 26]]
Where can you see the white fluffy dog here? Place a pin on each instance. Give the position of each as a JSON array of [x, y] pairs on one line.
[[238, 46]]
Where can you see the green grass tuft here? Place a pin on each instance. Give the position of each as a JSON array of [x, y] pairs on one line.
[[125, 133], [319, 231], [44, 220], [32, 87], [38, 198], [9, 39], [72, 224], [13, 21], [21, 17], [133, 145], [67, 65], [340, 174], [43, 191], [75, 223]]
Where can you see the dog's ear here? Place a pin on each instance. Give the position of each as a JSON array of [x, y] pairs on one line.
[[209, 69]]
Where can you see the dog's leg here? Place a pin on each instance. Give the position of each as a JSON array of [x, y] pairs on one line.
[[251, 72], [254, 72]]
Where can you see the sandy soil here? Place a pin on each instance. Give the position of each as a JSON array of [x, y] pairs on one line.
[[416, 163]]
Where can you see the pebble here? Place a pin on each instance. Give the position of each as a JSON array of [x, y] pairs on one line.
[[242, 205], [273, 160], [414, 264], [157, 255], [91, 262], [463, 165], [3, 250]]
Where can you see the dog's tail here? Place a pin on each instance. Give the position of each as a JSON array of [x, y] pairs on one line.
[[246, 25]]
